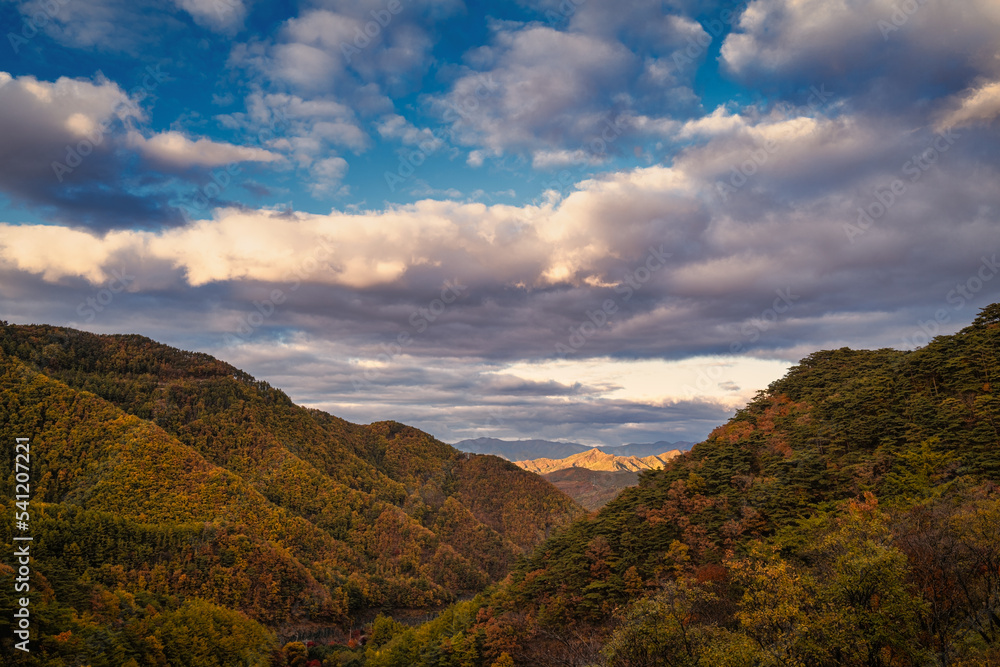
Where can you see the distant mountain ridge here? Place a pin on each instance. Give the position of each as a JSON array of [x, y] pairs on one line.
[[523, 450], [595, 459], [593, 478]]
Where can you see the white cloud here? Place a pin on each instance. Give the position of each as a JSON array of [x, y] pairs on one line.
[[394, 126], [327, 176], [40, 113], [219, 15], [549, 93], [312, 124], [306, 67], [783, 229], [718, 122], [548, 90], [563, 158], [131, 26], [980, 105], [342, 48], [175, 150], [305, 129], [814, 41]]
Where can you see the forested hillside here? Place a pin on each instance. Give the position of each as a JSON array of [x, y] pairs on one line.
[[185, 514], [849, 515]]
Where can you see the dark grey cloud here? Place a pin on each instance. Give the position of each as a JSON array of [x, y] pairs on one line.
[[60, 153], [885, 54], [79, 152], [774, 263], [455, 399]]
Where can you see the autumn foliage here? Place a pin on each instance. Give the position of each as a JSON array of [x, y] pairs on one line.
[[169, 486]]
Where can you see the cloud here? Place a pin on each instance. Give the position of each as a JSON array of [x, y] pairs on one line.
[[305, 67], [173, 149], [127, 26], [980, 105], [59, 151], [890, 51], [394, 126], [644, 26], [720, 121], [325, 120], [328, 175], [218, 15], [564, 158], [544, 92], [844, 193], [551, 94], [305, 129], [39, 114], [343, 47], [768, 271], [786, 225], [470, 397], [71, 150]]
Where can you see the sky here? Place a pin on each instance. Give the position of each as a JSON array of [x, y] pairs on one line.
[[585, 220]]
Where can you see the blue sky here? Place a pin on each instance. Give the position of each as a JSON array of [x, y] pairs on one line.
[[578, 219]]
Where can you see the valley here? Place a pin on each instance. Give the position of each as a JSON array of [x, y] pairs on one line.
[[186, 513]]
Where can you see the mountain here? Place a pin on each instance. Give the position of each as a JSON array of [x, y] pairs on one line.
[[522, 450], [595, 459], [592, 489], [592, 478], [848, 515], [519, 450], [179, 505]]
